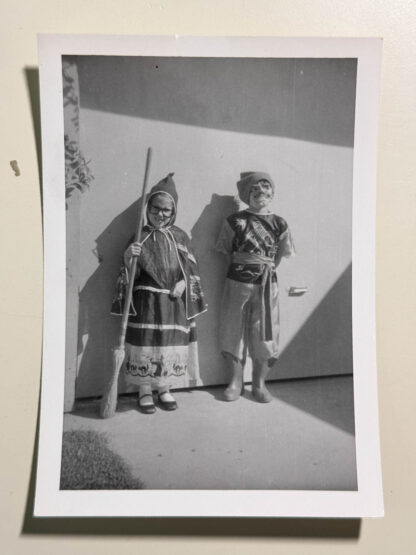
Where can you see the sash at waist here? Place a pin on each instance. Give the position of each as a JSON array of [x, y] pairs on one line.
[[252, 258]]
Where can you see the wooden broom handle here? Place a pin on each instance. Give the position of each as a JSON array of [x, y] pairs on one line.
[[133, 264]]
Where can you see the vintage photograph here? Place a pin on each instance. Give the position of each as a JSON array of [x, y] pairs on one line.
[[235, 366], [209, 223]]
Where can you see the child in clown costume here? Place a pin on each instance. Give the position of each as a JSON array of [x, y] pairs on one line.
[[255, 240], [161, 346]]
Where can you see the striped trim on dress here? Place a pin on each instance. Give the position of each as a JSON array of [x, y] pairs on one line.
[[150, 288], [161, 327]]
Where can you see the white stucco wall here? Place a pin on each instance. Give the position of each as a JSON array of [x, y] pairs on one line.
[[205, 135]]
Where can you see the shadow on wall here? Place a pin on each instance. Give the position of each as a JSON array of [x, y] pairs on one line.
[[326, 336], [306, 99], [100, 329], [213, 268]]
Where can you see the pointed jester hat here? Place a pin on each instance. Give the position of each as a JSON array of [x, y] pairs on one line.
[[165, 186]]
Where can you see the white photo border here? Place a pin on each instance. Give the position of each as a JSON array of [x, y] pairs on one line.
[[367, 501]]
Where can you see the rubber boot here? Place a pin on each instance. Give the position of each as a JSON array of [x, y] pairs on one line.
[[236, 385], [259, 389]]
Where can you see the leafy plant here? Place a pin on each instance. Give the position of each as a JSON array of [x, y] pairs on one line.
[[78, 174]]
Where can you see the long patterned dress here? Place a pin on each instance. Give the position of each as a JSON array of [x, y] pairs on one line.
[[161, 342]]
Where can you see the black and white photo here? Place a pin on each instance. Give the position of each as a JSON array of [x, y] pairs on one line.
[[209, 277]]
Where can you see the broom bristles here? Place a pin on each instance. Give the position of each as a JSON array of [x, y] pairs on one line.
[[109, 399], [108, 403]]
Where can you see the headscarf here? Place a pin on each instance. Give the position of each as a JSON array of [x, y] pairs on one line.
[[165, 187]]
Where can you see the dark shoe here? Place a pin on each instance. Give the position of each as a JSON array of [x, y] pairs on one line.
[[167, 405], [148, 408]]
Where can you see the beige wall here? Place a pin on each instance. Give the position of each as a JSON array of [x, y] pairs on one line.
[[21, 280], [207, 120]]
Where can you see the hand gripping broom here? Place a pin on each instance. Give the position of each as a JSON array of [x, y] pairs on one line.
[[109, 398]]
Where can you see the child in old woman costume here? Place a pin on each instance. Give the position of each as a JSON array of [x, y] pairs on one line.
[[161, 346], [256, 240]]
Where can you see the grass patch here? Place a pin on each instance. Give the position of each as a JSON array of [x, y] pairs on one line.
[[88, 463]]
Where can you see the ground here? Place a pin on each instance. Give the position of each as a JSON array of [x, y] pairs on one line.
[[303, 439]]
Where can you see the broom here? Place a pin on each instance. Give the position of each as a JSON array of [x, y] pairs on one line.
[[109, 398]]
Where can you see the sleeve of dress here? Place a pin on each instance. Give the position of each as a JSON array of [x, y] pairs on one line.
[[127, 259], [122, 283], [117, 304], [286, 245], [195, 299], [224, 242]]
